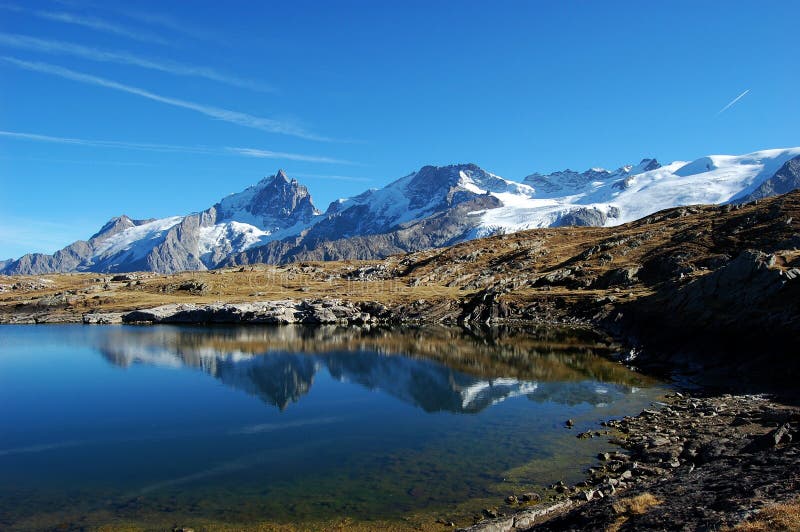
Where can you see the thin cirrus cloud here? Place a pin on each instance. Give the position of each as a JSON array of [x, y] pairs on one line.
[[36, 44], [268, 154], [166, 22], [227, 115], [94, 23], [145, 146], [148, 18]]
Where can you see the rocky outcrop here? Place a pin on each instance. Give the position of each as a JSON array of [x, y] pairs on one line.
[[585, 217], [102, 318], [748, 292], [273, 312]]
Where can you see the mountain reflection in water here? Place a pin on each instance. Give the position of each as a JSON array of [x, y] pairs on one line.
[[435, 369]]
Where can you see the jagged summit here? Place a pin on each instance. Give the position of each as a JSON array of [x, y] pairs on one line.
[[279, 176], [273, 203]]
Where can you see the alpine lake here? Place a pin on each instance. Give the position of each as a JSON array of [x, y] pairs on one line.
[[291, 427]]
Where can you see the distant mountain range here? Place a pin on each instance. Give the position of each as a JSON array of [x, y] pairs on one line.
[[275, 220]]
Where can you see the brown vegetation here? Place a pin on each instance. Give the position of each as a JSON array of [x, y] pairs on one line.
[[777, 518], [637, 505]]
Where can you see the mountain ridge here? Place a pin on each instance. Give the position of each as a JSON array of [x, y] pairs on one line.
[[276, 221]]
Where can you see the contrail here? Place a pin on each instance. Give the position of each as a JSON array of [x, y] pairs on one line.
[[732, 102]]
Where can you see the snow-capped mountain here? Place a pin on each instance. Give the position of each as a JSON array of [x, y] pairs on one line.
[[273, 208], [275, 220]]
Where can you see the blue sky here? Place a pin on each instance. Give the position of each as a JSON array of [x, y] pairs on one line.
[[162, 108]]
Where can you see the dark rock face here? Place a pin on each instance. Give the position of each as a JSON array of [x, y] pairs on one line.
[[785, 180], [745, 283], [618, 277], [275, 200]]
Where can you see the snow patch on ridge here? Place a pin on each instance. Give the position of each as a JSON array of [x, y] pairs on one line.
[[240, 236], [137, 240]]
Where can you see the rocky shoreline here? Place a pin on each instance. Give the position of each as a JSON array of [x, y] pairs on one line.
[[690, 463]]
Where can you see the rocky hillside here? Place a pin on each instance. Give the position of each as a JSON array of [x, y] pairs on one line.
[[276, 222]]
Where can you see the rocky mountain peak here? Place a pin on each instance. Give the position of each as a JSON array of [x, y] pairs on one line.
[[436, 186], [647, 165], [275, 201], [279, 177]]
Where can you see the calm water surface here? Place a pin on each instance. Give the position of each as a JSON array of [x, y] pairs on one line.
[[104, 425]]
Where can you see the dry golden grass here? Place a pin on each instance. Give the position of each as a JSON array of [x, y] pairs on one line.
[[638, 505], [91, 292], [777, 518]]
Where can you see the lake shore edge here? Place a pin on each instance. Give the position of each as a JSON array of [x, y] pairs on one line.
[[693, 462]]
